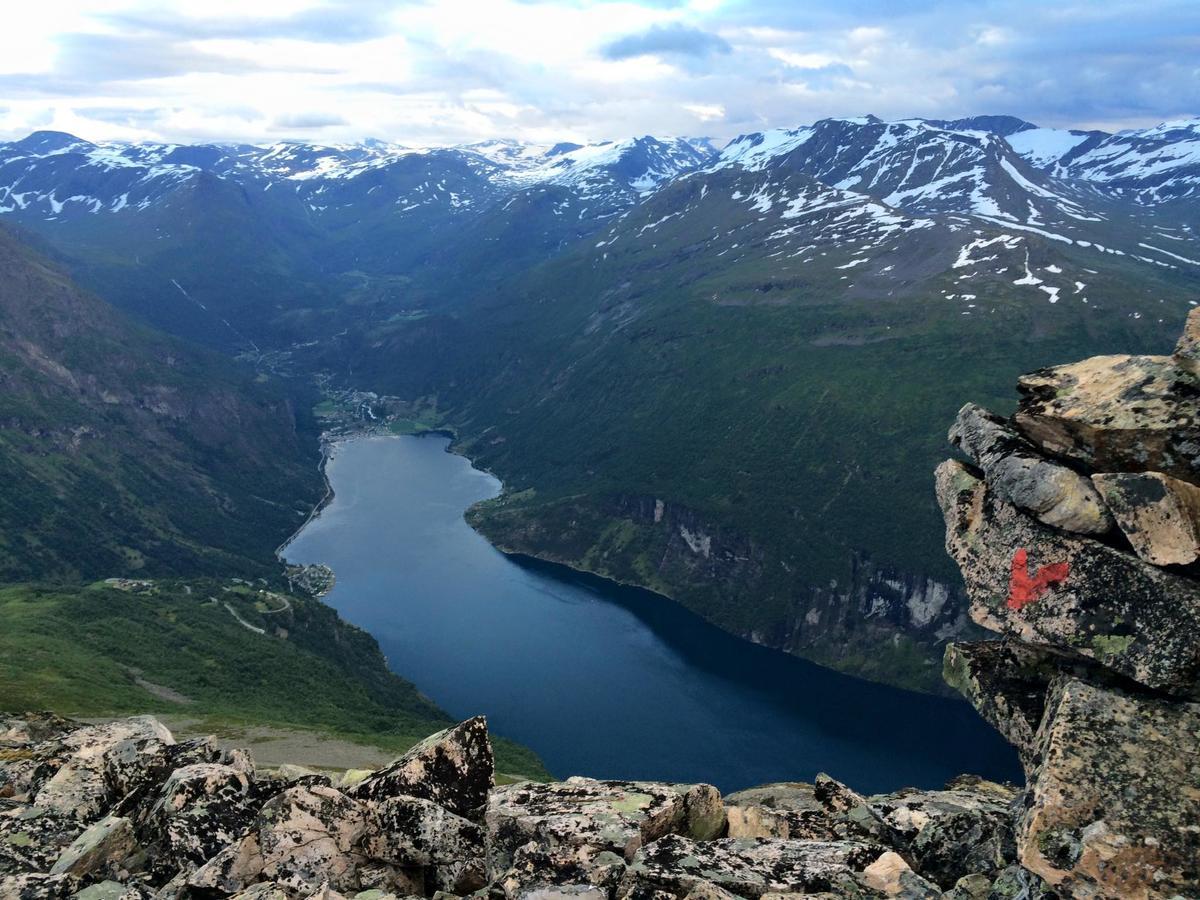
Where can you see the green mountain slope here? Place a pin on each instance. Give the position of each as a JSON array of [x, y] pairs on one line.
[[178, 647], [123, 450]]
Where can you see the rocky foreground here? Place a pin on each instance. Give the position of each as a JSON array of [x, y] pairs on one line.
[[1077, 528]]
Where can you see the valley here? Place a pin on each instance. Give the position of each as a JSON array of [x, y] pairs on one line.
[[720, 374]]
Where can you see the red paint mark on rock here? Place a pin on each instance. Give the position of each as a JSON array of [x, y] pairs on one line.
[[1024, 588]]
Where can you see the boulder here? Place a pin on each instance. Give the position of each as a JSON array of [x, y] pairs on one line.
[[535, 868], [201, 809], [1159, 514], [106, 847], [949, 834], [789, 810], [891, 876], [31, 839], [1055, 589], [1115, 414], [1187, 351], [114, 890], [1049, 491], [1114, 805], [38, 886], [301, 838], [1006, 681], [850, 812], [101, 762], [618, 816], [409, 831], [453, 768], [751, 868]]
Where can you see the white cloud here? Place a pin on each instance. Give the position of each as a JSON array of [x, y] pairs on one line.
[[435, 71]]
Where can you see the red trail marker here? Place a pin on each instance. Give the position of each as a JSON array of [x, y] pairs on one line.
[[1024, 588]]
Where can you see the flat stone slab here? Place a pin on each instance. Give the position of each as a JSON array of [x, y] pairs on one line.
[[1116, 814], [1116, 414]]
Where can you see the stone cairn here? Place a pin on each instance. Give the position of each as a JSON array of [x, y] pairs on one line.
[[1077, 527]]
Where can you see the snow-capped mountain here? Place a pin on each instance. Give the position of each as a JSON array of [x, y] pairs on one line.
[[1148, 166], [58, 176], [882, 207]]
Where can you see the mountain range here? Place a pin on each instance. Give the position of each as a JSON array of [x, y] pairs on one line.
[[712, 372]]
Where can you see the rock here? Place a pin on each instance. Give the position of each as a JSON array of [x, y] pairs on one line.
[[201, 809], [789, 810], [1187, 351], [970, 887], [113, 890], [618, 816], [1055, 589], [290, 772], [31, 839], [307, 836], [1113, 807], [453, 768], [536, 867], [1016, 883], [849, 811], [1006, 681], [1159, 514], [267, 890], [352, 777], [706, 891], [38, 886], [1048, 490], [949, 834], [891, 876], [408, 831], [105, 847], [1115, 414], [301, 838], [750, 868], [101, 761]]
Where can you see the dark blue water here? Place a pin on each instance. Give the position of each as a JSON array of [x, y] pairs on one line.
[[602, 680]]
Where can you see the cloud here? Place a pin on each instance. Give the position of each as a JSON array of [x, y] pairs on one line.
[[442, 71], [307, 121], [666, 40]]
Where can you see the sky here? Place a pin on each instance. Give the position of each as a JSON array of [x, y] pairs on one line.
[[425, 72]]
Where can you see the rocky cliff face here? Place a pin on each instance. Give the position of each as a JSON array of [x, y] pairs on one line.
[[876, 621]]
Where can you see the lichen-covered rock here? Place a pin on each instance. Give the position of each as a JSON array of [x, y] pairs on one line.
[[31, 839], [948, 834], [891, 876], [1114, 806], [1048, 490], [618, 816], [106, 847], [789, 810], [114, 890], [1115, 414], [454, 768], [534, 867], [301, 838], [1159, 514], [38, 886], [409, 831], [201, 809], [751, 868], [850, 812], [1187, 351], [1052, 588], [101, 762], [1006, 681]]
